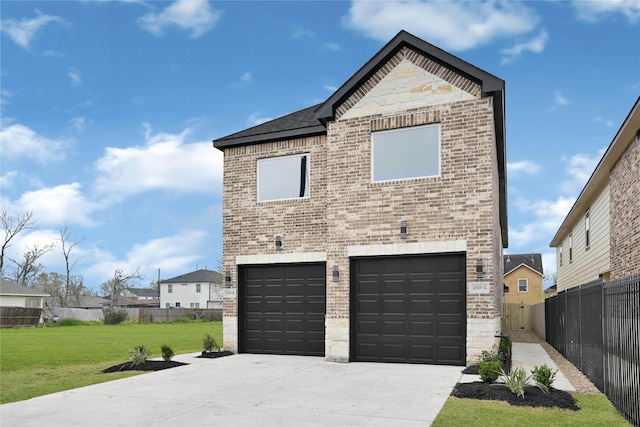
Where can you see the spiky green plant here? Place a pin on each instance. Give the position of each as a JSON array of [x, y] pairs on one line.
[[517, 380], [138, 355]]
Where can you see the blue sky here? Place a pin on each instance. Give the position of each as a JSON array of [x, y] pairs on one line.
[[108, 108]]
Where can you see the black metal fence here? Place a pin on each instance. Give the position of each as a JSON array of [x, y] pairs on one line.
[[596, 326]]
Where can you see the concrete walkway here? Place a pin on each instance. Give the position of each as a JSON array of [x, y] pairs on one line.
[[250, 390], [264, 390]]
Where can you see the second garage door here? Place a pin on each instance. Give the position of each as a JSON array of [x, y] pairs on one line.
[[282, 309], [409, 309]]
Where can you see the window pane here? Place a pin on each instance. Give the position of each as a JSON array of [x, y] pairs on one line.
[[406, 153], [283, 178]]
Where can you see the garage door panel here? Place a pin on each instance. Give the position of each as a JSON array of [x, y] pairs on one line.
[[409, 309], [282, 308]]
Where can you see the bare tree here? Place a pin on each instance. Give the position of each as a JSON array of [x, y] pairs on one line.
[[12, 226], [67, 247], [118, 283], [26, 269]]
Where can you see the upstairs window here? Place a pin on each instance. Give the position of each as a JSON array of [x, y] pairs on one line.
[[170, 288], [405, 153], [560, 254], [571, 247], [587, 226], [198, 287], [281, 178], [523, 285]]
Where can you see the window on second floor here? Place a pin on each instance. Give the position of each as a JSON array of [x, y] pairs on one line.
[[170, 288], [198, 287], [587, 227], [571, 247], [405, 153], [281, 178], [523, 285], [560, 254]]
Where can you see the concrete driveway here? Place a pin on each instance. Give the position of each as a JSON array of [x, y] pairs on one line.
[[250, 390]]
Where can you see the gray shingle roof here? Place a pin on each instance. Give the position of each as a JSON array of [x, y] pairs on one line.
[[532, 260], [145, 292], [8, 287], [204, 276]]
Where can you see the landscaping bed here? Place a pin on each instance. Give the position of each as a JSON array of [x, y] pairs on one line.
[[533, 397], [148, 365], [214, 354]]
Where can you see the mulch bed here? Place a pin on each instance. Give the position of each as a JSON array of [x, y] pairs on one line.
[[533, 396], [148, 365], [214, 354]]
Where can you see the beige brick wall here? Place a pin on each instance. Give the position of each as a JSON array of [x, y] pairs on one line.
[[346, 209], [625, 213]]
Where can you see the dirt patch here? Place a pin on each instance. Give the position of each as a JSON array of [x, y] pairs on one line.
[[148, 365], [533, 396]]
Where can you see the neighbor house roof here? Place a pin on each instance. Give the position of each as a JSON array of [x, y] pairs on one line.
[[311, 121], [196, 276], [145, 292], [532, 261], [600, 176], [8, 287]]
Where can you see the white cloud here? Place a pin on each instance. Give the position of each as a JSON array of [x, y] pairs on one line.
[[75, 77], [166, 162], [592, 11], [63, 204], [548, 215], [19, 141], [79, 124], [255, 119], [559, 100], [579, 168], [449, 25], [535, 45], [246, 78], [604, 122], [195, 16], [526, 167], [302, 33], [24, 31], [7, 180], [334, 47], [330, 88]]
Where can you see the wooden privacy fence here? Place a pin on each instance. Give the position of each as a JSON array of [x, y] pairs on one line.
[[596, 326], [11, 317], [516, 316], [160, 315]]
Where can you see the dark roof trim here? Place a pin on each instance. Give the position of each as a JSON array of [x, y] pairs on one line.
[[489, 82], [270, 137]]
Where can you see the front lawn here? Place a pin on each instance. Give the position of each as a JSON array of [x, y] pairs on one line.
[[38, 361], [595, 410]]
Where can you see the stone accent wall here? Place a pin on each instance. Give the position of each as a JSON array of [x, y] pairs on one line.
[[625, 212]]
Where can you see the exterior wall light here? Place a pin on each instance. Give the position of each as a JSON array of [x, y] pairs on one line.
[[227, 278], [336, 273], [278, 243], [479, 268], [403, 229]]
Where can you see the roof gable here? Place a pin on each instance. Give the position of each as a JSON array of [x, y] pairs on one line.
[[531, 261], [411, 77]]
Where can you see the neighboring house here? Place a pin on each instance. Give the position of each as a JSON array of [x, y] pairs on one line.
[[140, 293], [15, 295], [371, 227], [523, 276], [90, 301], [600, 237], [551, 291], [198, 289], [137, 298]]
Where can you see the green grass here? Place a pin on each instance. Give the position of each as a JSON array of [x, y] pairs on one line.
[[595, 410], [38, 361]]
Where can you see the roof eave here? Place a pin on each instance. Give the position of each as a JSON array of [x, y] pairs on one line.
[[270, 137]]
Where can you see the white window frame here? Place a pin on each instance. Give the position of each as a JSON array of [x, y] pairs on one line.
[[587, 229], [198, 288], [168, 305], [308, 177], [570, 248], [526, 284], [170, 288], [398, 131]]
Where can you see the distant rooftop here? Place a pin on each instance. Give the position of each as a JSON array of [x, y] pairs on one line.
[[204, 276], [533, 261]]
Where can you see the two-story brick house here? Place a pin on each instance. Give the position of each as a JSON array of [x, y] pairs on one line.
[[371, 227]]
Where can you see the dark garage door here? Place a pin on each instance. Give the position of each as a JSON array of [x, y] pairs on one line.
[[282, 309], [409, 309]]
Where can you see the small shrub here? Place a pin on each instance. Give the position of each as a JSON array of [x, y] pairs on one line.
[[544, 375], [209, 344], [167, 353], [67, 321], [114, 316], [138, 355], [517, 380], [489, 371], [490, 355]]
